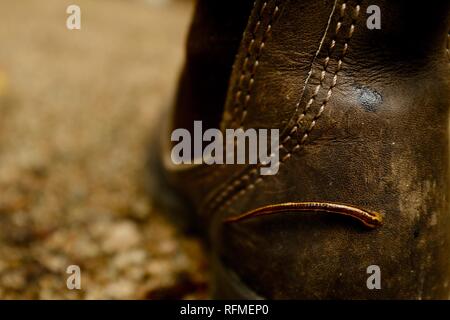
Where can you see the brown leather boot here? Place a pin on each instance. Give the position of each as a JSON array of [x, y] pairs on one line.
[[363, 179]]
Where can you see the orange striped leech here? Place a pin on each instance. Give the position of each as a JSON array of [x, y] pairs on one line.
[[370, 219]]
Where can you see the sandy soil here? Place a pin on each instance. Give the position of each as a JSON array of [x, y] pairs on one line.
[[77, 109]]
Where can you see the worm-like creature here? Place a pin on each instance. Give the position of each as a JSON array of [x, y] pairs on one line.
[[370, 219]]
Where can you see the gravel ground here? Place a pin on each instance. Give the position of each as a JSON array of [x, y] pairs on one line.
[[76, 113]]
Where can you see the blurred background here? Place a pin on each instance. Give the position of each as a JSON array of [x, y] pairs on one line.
[[76, 112]]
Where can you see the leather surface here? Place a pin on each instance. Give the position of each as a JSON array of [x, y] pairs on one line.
[[363, 116]]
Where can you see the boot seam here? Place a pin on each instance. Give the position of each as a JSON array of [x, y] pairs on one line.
[[320, 86], [249, 66], [248, 177]]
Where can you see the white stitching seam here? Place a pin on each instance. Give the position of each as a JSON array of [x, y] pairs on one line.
[[246, 177]]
